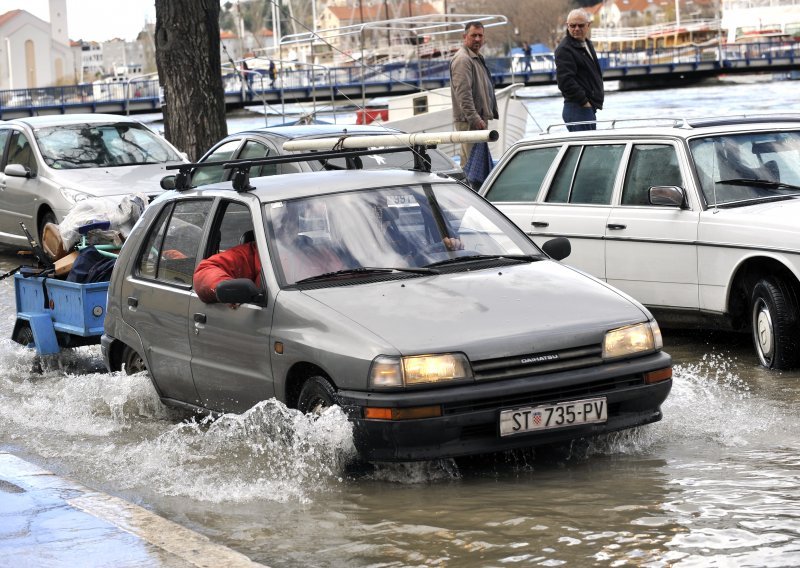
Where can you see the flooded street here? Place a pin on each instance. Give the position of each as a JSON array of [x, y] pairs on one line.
[[715, 483]]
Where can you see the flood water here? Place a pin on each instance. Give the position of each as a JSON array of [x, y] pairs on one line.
[[715, 483]]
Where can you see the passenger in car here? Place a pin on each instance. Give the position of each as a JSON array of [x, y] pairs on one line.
[[302, 256], [241, 261]]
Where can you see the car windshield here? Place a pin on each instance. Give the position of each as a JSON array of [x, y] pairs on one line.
[[739, 168], [73, 146], [410, 229]]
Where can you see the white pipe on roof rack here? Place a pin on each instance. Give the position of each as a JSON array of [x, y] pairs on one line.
[[384, 140]]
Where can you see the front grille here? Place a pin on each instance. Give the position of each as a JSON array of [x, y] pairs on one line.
[[537, 363]]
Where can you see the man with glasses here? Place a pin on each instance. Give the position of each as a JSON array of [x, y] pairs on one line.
[[578, 74]]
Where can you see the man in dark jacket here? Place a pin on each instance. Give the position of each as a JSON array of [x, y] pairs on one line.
[[578, 73]]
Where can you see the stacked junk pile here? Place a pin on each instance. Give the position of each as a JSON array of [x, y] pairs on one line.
[[62, 302], [83, 247]]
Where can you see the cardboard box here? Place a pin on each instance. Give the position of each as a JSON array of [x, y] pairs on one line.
[[64, 264], [52, 243]]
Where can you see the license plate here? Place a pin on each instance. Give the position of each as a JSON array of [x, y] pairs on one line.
[[546, 417]]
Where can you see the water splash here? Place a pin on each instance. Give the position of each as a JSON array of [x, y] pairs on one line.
[[114, 429], [270, 452]]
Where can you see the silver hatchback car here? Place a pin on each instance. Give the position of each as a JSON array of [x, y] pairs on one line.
[[403, 297], [49, 163]]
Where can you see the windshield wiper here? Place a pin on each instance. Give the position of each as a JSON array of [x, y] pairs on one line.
[[478, 257], [361, 270], [765, 183]]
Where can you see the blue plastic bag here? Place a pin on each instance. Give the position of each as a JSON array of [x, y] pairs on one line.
[[478, 165]]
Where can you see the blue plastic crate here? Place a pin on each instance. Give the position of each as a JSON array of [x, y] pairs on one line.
[[74, 308]]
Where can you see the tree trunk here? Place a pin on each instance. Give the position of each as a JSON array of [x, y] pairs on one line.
[[188, 61]]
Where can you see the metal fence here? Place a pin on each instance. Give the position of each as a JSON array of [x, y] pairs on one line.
[[142, 94]]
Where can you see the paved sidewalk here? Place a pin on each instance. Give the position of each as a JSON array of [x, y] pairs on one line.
[[48, 521]]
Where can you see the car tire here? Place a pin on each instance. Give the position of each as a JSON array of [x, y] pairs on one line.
[[774, 323], [132, 362], [48, 217], [316, 395], [24, 335]]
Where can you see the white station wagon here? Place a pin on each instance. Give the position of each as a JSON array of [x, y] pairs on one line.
[[698, 219]]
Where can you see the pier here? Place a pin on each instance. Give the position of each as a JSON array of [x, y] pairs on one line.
[[634, 69]]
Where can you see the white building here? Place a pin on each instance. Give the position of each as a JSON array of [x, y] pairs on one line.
[[754, 19], [35, 53]]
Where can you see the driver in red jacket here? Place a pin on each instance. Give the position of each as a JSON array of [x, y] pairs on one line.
[[240, 261]]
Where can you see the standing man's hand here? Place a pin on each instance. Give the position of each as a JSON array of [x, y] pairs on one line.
[[481, 124], [587, 105]]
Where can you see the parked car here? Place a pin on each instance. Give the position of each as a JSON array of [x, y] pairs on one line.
[[49, 163], [268, 141], [442, 331], [698, 219]]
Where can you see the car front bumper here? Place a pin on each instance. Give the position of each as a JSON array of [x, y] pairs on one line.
[[470, 421]]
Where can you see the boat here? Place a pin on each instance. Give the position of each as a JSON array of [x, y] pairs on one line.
[[402, 41], [431, 111]]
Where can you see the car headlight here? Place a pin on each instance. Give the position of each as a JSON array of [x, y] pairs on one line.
[[631, 339], [73, 195], [388, 372]]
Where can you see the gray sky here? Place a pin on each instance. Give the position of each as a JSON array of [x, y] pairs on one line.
[[94, 20]]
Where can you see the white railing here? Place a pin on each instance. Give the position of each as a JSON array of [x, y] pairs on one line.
[[641, 33]]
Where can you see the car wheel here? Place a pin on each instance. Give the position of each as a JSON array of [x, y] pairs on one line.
[[316, 395], [132, 362], [775, 323], [24, 335], [48, 217]]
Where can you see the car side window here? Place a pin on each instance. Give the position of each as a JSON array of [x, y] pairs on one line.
[[170, 251], [214, 174], [4, 135], [587, 174], [253, 150], [522, 177], [233, 226], [650, 165], [21, 152]]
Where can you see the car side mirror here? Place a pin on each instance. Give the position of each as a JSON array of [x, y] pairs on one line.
[[670, 195], [18, 170], [239, 291], [558, 248], [168, 182]]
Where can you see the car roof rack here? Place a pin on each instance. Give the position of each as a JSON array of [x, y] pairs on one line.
[[697, 122], [351, 148]]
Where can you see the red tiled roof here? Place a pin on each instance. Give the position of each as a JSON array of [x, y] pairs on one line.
[[642, 5], [8, 15], [227, 35], [378, 12]]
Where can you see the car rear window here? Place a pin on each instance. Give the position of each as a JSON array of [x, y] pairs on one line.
[[522, 177]]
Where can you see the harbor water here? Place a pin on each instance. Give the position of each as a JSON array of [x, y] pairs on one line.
[[715, 483]]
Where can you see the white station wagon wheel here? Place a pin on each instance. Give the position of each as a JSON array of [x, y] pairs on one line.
[[775, 323]]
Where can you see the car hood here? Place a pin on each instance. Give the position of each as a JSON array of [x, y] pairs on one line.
[[770, 224], [118, 180], [538, 307]]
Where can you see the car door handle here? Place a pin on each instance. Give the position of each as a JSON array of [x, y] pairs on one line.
[[199, 318], [133, 302], [540, 223], [616, 226]]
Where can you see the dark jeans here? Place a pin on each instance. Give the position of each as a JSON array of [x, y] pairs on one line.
[[574, 112]]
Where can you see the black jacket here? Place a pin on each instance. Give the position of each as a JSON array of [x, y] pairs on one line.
[[578, 75]]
